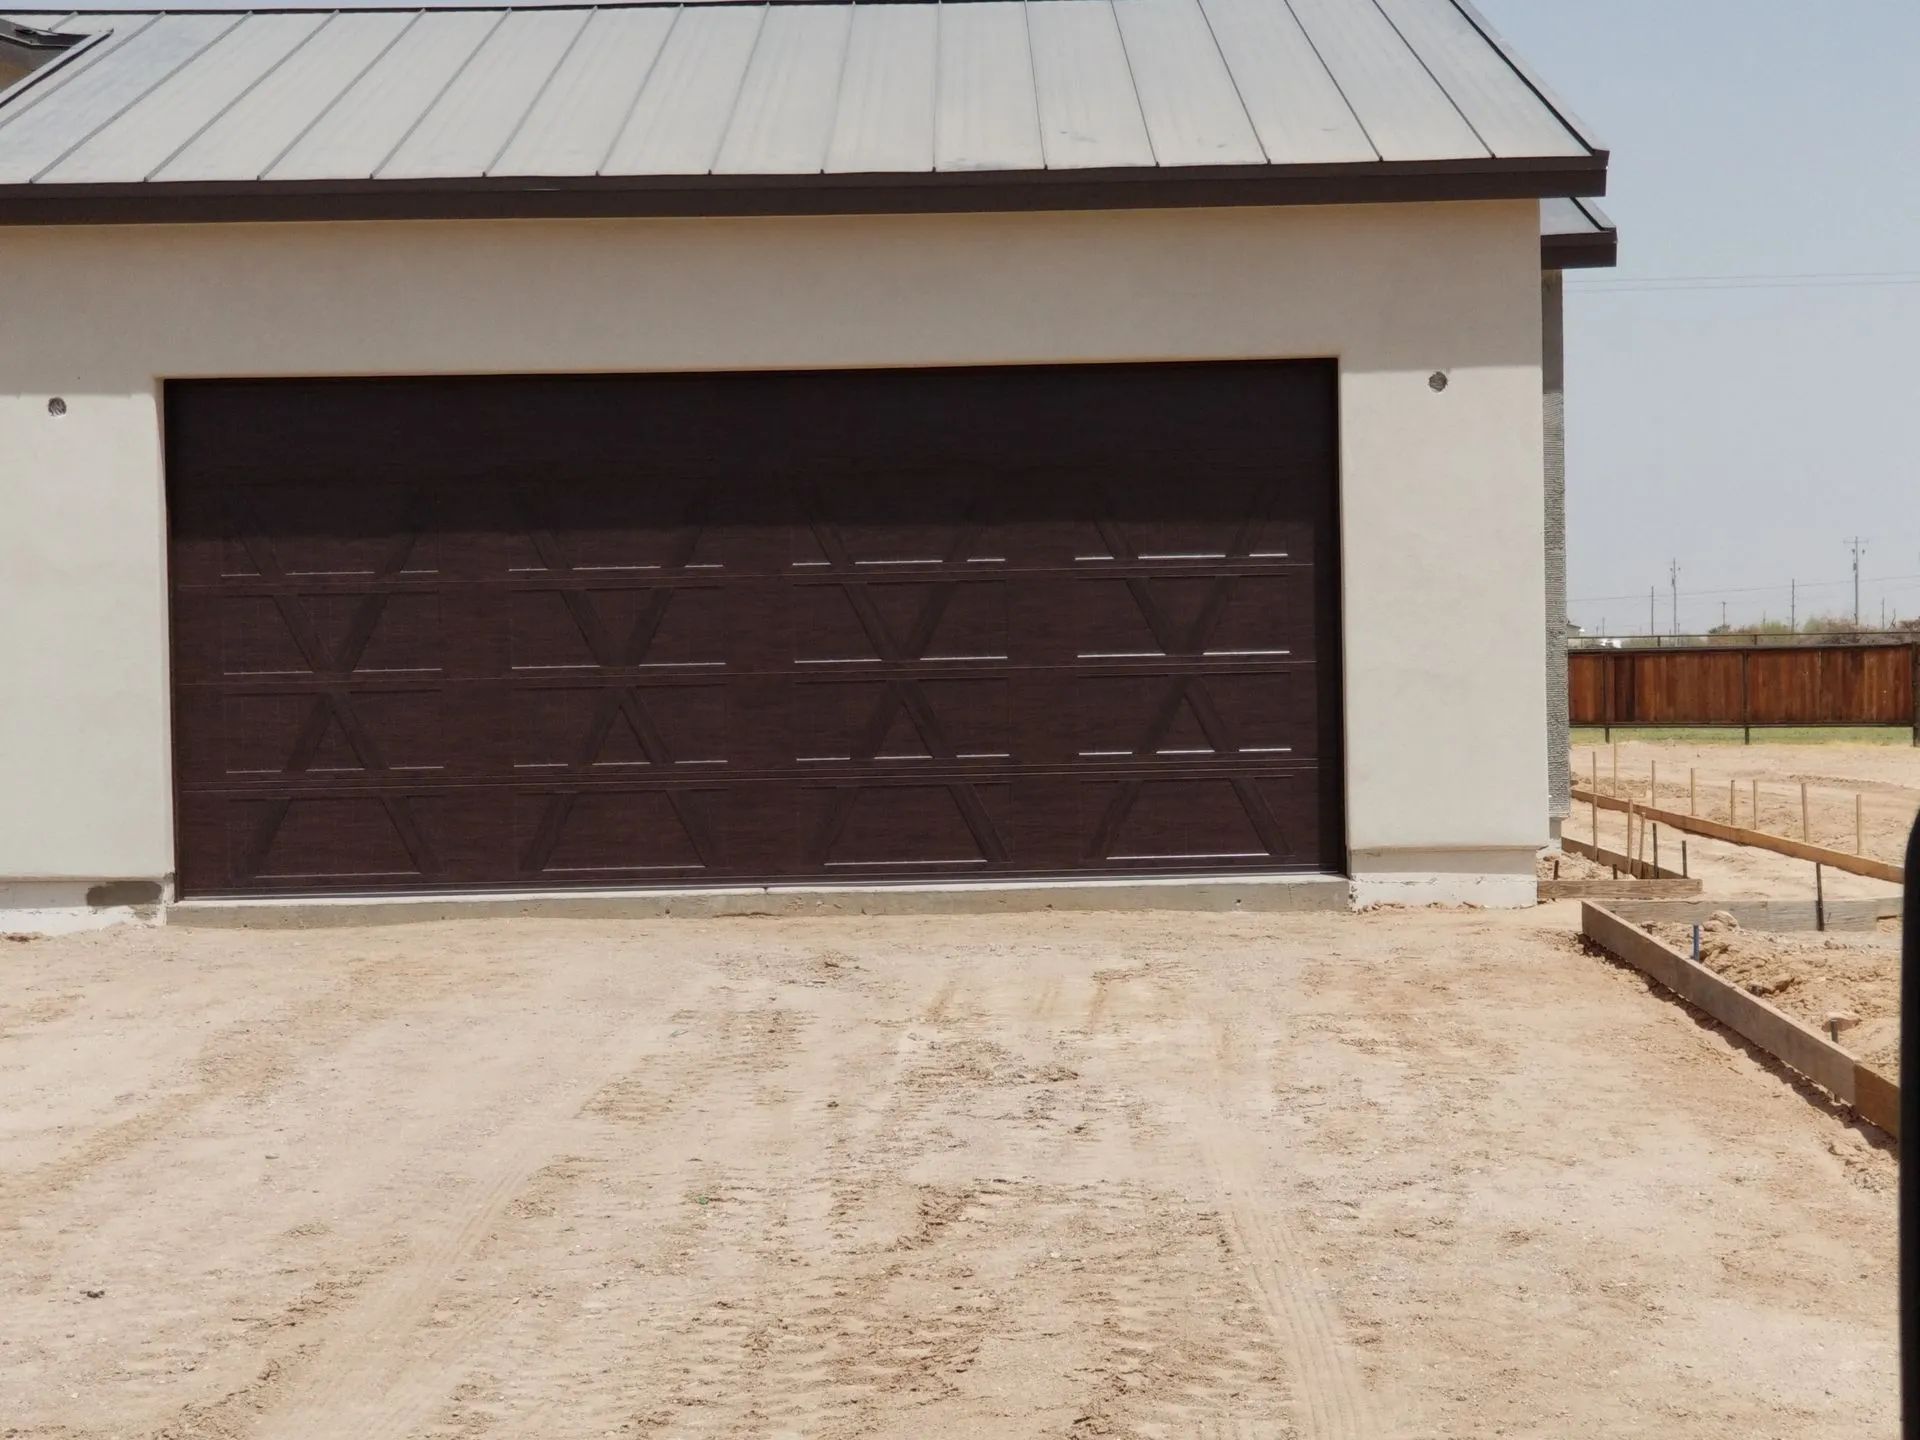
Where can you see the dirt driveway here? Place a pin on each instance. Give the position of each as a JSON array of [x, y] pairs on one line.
[[1395, 1175]]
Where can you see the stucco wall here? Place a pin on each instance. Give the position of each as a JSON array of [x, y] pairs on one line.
[[1554, 407], [1441, 490]]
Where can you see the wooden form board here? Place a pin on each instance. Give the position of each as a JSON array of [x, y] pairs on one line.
[[1618, 890], [1777, 915], [1638, 869], [1794, 1044], [1758, 839]]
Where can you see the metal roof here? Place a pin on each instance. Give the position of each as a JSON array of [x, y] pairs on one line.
[[1576, 235], [754, 108]]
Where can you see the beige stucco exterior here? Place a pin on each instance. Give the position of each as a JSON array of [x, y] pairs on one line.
[[1441, 490]]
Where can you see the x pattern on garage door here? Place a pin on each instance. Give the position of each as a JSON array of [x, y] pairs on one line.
[[703, 629]]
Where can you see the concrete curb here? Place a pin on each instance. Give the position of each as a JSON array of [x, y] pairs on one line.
[[1286, 894]]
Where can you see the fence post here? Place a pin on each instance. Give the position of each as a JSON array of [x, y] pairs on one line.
[[1606, 702], [1746, 702]]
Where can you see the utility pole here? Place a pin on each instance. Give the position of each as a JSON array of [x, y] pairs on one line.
[[1652, 629], [1793, 605], [1723, 614], [1673, 579], [1859, 548]]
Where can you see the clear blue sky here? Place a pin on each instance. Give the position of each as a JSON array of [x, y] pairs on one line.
[[1747, 432]]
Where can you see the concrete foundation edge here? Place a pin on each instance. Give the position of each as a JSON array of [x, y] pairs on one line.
[[1265, 894], [68, 907], [1492, 879]]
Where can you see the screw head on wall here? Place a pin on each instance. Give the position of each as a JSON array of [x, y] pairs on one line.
[[56, 406], [1437, 381]]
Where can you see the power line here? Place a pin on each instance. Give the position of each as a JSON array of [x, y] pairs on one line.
[[1715, 594], [1835, 280]]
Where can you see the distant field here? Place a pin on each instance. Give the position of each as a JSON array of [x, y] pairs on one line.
[[1732, 735]]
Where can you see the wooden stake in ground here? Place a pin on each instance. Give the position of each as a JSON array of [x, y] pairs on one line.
[[1653, 782], [1806, 824], [1733, 802], [1616, 767], [1756, 805], [1594, 788], [1859, 823], [1693, 792]]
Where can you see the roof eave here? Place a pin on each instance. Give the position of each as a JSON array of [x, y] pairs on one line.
[[1580, 252], [514, 197]]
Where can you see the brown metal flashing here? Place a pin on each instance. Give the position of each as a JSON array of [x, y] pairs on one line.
[[1599, 251], [151, 202]]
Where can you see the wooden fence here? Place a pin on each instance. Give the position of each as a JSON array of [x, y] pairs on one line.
[[1747, 686]]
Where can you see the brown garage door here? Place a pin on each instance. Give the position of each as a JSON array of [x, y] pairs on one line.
[[697, 629]]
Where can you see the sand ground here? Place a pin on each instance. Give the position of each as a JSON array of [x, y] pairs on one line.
[[1814, 977], [1887, 777], [1406, 1174]]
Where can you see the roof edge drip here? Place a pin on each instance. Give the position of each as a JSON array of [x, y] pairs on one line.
[[614, 197]]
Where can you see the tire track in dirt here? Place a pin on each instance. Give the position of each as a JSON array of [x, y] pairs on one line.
[[704, 1358], [368, 1381], [1178, 1348], [372, 1378], [1332, 1395], [245, 1060]]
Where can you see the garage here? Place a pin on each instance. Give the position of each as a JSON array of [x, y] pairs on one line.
[[827, 456], [807, 627]]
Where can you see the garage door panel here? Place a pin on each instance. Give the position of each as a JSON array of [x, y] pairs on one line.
[[864, 622], [622, 831], [907, 827], [1202, 714], [596, 627], [1236, 821], [837, 720], [1180, 616], [467, 634], [600, 728]]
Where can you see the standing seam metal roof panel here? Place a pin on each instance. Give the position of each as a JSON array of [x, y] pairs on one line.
[[1502, 107], [783, 120], [572, 126], [1187, 95], [1297, 109], [1089, 110], [985, 113], [60, 119], [362, 128], [711, 107], [684, 108], [259, 127], [188, 100], [469, 125], [885, 122], [1401, 106]]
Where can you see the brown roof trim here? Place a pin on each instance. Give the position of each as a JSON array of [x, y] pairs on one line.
[[1580, 252], [1594, 248], [1143, 187]]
